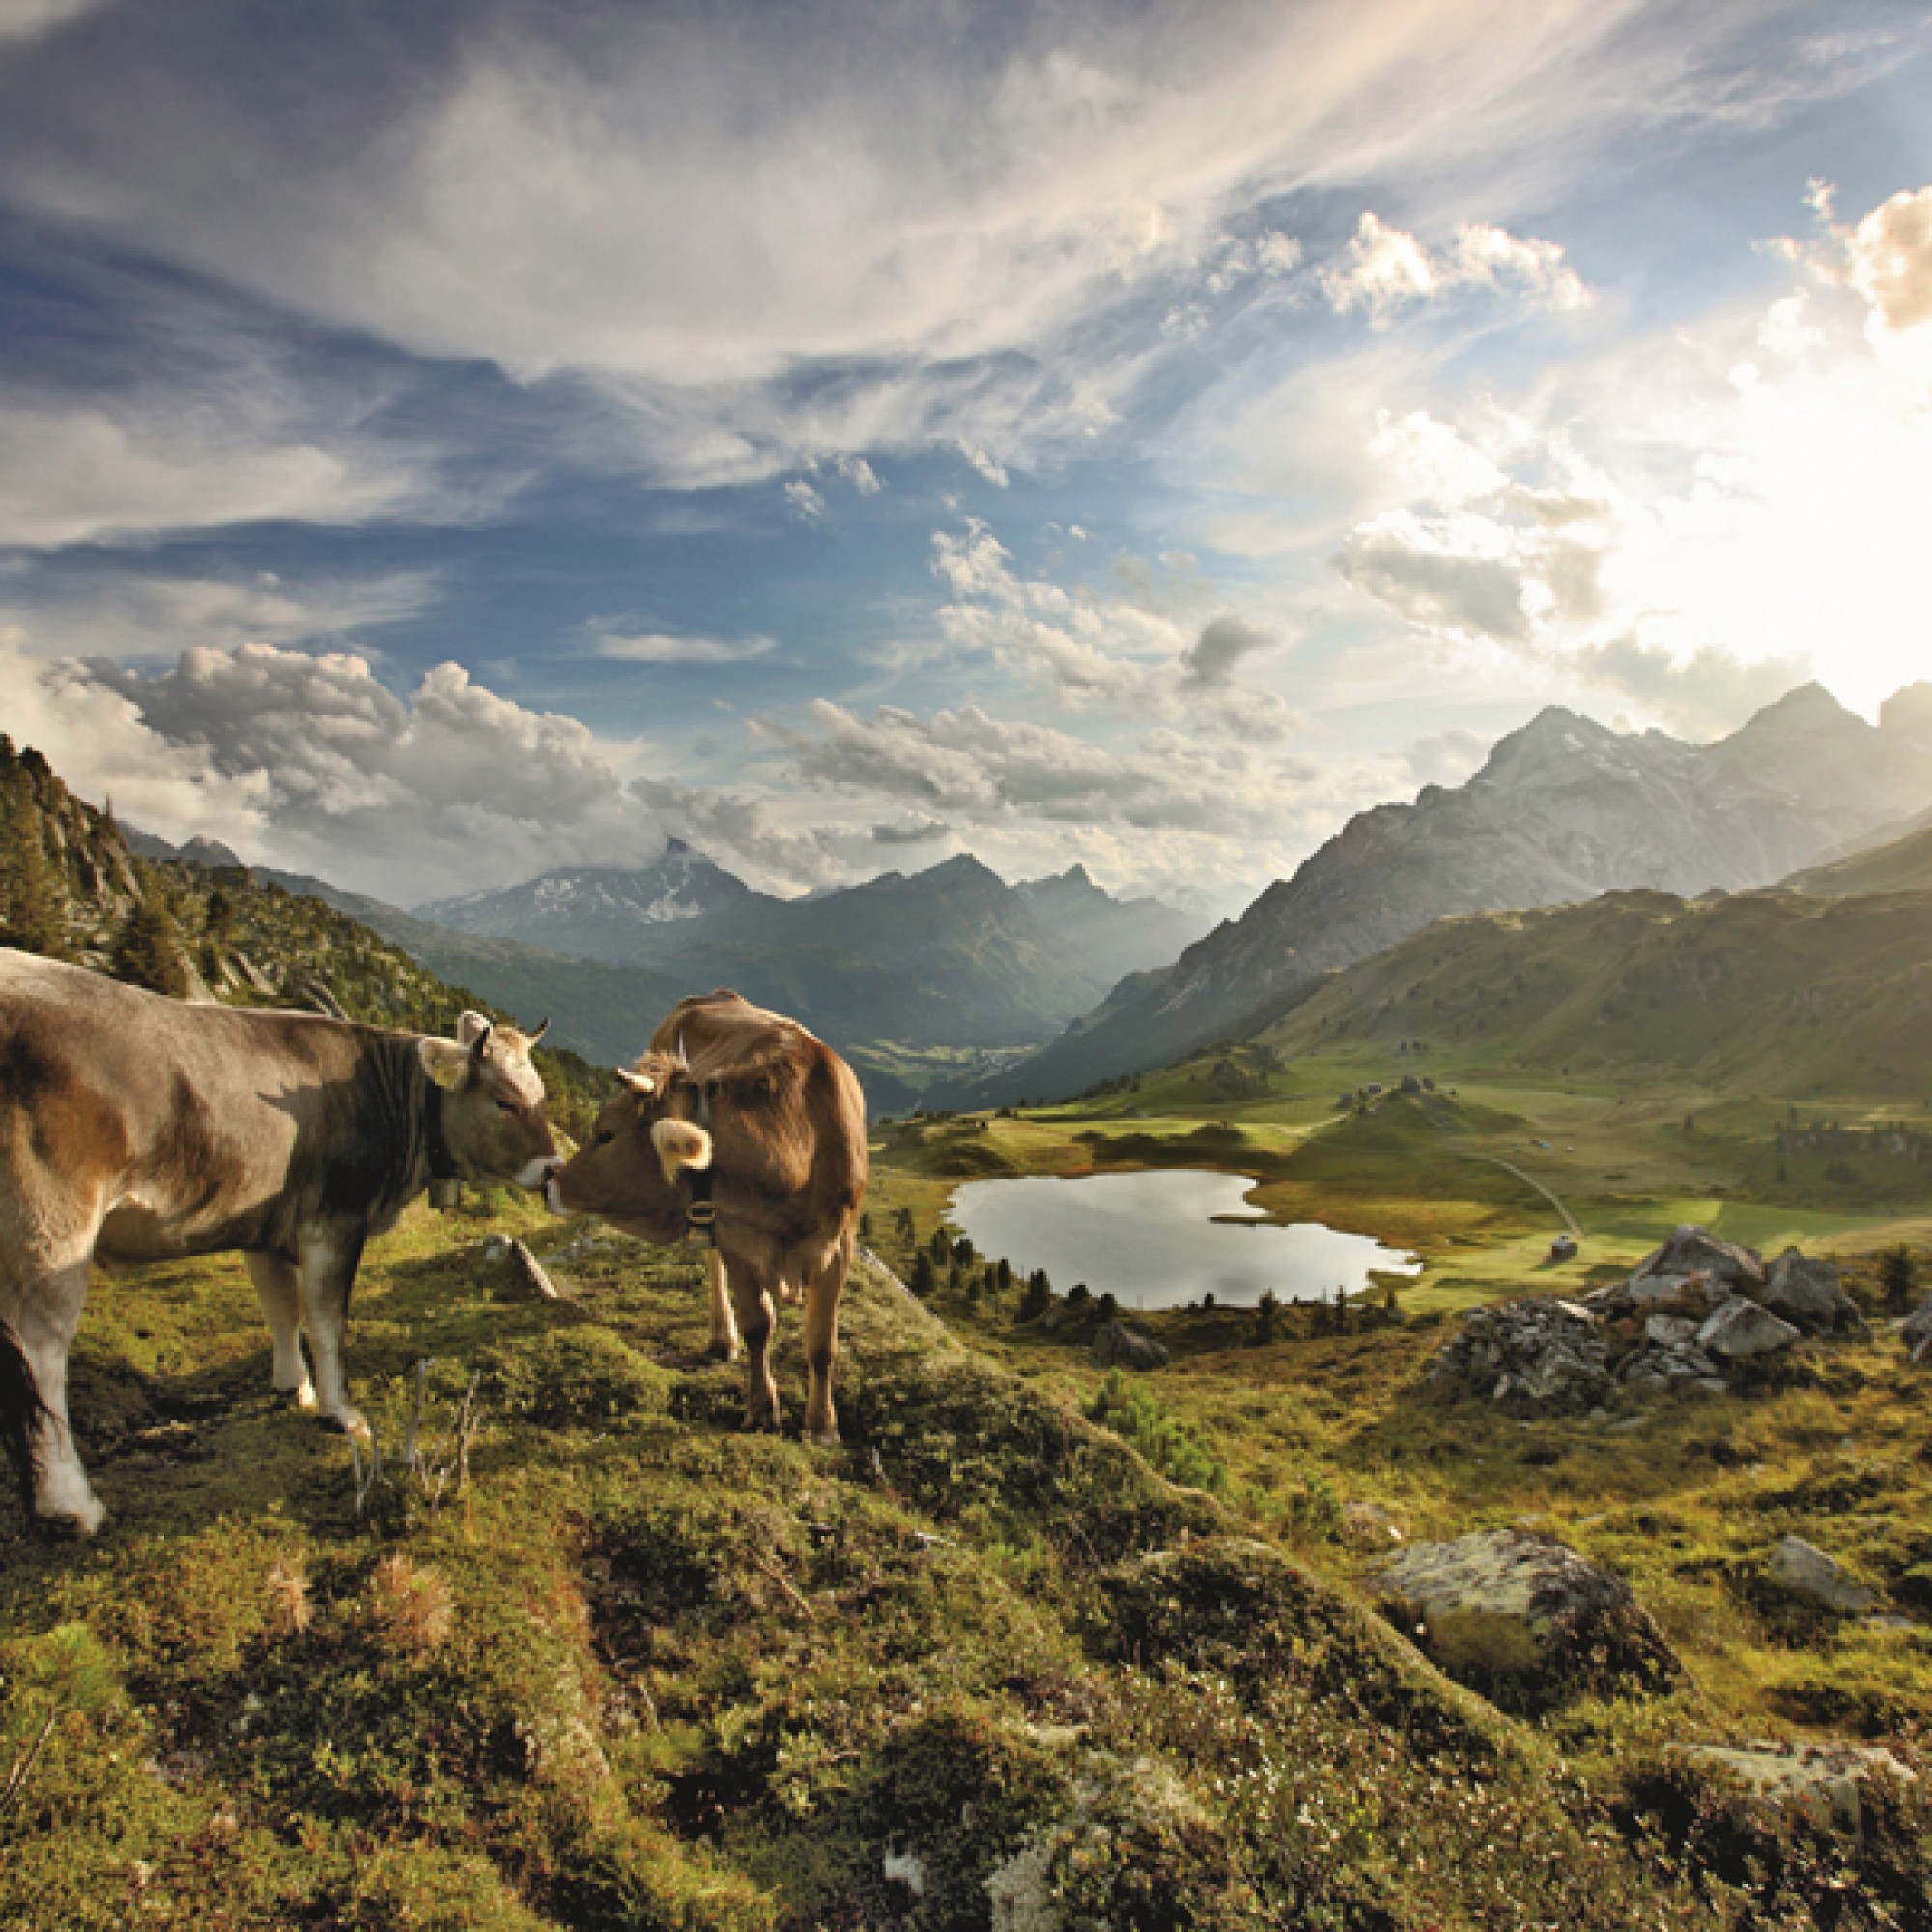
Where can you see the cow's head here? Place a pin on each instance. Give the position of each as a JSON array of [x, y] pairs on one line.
[[492, 1101], [627, 1172]]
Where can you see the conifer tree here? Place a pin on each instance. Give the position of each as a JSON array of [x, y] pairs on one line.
[[149, 951]]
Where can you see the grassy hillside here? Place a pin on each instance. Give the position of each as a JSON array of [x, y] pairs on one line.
[[1900, 866], [984, 1666], [1766, 993]]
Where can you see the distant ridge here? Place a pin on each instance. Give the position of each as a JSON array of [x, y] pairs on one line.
[[1562, 810]]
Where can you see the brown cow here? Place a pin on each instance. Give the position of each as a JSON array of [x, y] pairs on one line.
[[135, 1128], [775, 1121]]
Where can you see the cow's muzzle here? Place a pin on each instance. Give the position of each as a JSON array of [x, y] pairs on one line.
[[546, 1180]]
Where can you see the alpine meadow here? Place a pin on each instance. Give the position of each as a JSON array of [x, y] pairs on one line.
[[965, 968]]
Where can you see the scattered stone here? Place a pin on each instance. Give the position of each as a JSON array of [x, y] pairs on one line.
[[1809, 1295], [497, 1249], [1116, 1346], [1741, 1331], [1670, 1331], [1819, 1782], [1806, 1570], [1538, 1350], [1524, 1619]]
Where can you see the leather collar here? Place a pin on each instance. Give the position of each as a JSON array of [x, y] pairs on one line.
[[441, 1163]]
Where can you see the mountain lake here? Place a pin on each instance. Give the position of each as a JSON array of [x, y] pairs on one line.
[[1151, 1238]]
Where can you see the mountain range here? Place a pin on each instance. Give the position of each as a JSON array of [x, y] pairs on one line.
[[950, 957], [1562, 810]]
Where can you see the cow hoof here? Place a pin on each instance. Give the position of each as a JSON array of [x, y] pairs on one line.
[[723, 1351], [300, 1395], [822, 1438], [761, 1422], [350, 1422]]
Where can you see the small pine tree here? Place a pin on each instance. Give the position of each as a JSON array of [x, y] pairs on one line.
[[866, 1229], [1267, 1316], [1898, 1277], [32, 914], [962, 1252], [940, 1247], [149, 951], [924, 1279]]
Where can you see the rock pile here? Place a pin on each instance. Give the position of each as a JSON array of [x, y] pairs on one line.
[[1690, 1316], [1116, 1346], [1539, 1350]]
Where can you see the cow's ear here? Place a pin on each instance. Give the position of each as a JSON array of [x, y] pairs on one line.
[[680, 1144], [443, 1059], [472, 1027]]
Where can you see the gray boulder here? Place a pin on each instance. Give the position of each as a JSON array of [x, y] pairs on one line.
[[1806, 1571], [1816, 1782], [1116, 1346], [1741, 1331], [1810, 1295], [1524, 1619], [1692, 1264]]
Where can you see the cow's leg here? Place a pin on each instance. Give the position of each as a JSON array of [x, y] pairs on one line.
[[278, 1288], [328, 1264], [755, 1317], [724, 1325], [822, 1293], [40, 1314]]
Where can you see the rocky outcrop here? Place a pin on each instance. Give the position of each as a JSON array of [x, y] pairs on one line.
[[1695, 1314], [1523, 1618], [1116, 1346], [1539, 1350], [1916, 1331]]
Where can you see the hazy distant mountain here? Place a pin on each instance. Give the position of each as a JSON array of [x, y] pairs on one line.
[[197, 851], [952, 956], [598, 912], [1563, 810]]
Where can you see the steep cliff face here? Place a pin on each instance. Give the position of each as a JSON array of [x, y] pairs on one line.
[[1563, 810]]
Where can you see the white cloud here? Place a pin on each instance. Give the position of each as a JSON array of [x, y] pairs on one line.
[[1890, 254], [102, 471], [1384, 271], [805, 502], [1695, 519], [666, 648], [987, 465], [521, 190]]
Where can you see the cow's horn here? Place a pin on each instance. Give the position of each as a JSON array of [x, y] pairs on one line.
[[683, 1062], [638, 1083], [680, 1144], [543, 1027]]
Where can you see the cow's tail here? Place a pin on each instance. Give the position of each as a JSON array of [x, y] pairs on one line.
[[22, 1411]]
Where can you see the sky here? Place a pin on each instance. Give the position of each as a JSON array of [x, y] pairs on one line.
[[441, 442]]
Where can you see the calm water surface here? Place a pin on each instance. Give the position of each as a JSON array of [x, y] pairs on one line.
[[1152, 1240]]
